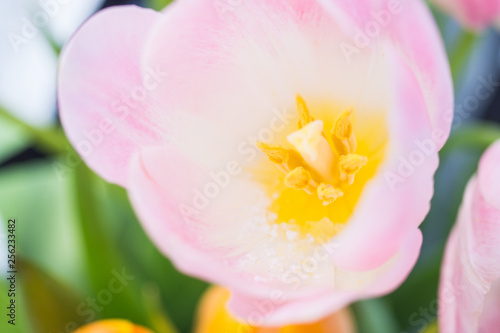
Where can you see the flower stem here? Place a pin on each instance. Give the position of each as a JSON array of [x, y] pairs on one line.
[[431, 328], [461, 53], [49, 140], [478, 135]]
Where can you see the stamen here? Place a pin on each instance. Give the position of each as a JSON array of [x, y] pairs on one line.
[[304, 115], [328, 193], [314, 148], [343, 134], [285, 159], [277, 154], [300, 179], [343, 125], [349, 165]]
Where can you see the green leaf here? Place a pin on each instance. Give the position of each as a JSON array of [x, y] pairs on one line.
[[157, 4], [12, 140], [461, 52], [116, 287], [52, 305], [478, 135], [431, 328], [179, 293], [49, 140], [159, 320], [32, 194], [374, 316]]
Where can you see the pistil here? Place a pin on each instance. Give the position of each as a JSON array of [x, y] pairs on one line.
[[314, 148]]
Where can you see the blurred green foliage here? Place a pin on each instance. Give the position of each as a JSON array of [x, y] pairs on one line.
[[12, 140], [157, 4]]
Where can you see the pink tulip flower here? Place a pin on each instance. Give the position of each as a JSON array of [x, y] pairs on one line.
[[474, 14], [282, 149], [470, 277]]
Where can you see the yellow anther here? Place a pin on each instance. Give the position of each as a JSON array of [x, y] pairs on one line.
[[277, 154], [343, 135], [343, 126], [304, 115], [349, 165], [328, 193], [300, 179]]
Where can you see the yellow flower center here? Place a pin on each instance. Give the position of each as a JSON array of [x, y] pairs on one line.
[[322, 167]]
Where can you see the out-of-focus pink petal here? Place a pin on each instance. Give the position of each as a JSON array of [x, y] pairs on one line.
[[475, 14], [471, 266], [489, 321], [103, 94]]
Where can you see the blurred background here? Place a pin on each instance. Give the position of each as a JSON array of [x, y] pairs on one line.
[[81, 251]]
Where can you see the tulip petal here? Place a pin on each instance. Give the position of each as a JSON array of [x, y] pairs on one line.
[[161, 194], [471, 269], [489, 321], [490, 174], [103, 94], [292, 48], [422, 49], [277, 310], [397, 200], [425, 53]]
